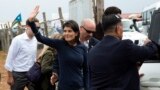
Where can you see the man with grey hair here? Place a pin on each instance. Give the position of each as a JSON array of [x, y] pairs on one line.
[[87, 28]]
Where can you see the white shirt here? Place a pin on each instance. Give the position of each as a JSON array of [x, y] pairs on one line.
[[22, 53], [86, 43]]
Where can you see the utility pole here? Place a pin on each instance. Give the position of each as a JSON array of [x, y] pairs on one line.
[[99, 9], [60, 15], [94, 10], [45, 24], [20, 28], [10, 30], [6, 36], [1, 26]]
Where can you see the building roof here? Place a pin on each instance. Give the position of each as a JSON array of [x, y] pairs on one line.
[[130, 15]]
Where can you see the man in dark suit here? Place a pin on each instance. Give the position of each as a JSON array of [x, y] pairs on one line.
[[87, 28], [112, 62]]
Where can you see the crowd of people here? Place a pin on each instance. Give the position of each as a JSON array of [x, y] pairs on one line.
[[76, 60]]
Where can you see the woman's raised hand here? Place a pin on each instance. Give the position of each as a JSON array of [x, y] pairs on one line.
[[34, 13]]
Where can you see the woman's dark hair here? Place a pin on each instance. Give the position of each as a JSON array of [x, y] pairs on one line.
[[73, 24]]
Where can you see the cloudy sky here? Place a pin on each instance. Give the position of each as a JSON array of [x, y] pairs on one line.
[[9, 9], [132, 6]]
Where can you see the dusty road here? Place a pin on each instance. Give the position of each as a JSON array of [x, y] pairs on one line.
[[3, 84]]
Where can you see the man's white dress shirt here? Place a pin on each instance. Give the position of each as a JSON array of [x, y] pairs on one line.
[[22, 53]]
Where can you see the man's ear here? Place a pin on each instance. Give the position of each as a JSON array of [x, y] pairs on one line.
[[117, 30], [80, 28]]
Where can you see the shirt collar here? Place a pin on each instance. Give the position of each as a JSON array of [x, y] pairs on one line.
[[85, 42], [25, 36]]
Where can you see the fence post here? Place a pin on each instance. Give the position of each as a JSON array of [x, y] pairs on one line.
[[45, 24], [60, 15]]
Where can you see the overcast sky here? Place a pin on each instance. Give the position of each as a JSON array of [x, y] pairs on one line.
[[9, 9], [130, 6]]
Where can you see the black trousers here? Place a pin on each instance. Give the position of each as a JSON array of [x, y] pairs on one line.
[[21, 81]]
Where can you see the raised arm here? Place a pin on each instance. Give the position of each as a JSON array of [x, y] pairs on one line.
[[140, 53], [34, 13], [45, 40]]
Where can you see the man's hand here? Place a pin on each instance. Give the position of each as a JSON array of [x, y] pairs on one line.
[[54, 78], [146, 41], [34, 13], [10, 80], [141, 75]]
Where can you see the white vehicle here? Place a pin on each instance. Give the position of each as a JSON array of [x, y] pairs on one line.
[[147, 14], [131, 33], [141, 27], [151, 67], [151, 78]]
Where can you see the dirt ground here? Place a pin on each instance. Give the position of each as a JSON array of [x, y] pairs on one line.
[[3, 73]]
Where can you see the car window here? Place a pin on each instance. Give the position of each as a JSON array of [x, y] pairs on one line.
[[126, 26], [154, 31], [152, 61]]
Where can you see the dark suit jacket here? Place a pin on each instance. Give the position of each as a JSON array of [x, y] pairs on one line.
[[92, 42], [112, 64]]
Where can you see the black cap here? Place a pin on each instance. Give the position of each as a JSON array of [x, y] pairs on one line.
[[110, 20]]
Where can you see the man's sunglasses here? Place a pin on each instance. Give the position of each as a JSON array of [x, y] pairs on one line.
[[38, 28], [88, 31]]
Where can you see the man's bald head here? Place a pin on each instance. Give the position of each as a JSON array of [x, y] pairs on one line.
[[88, 23], [87, 29]]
